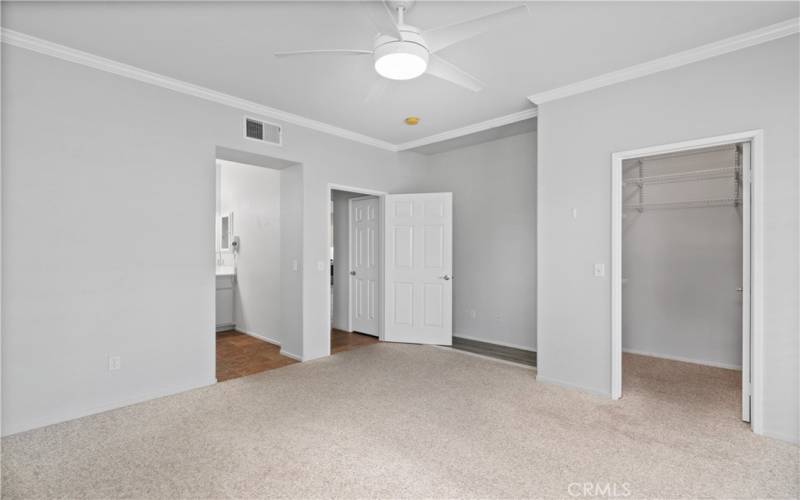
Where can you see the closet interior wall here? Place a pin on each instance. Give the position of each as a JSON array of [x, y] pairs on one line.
[[682, 257]]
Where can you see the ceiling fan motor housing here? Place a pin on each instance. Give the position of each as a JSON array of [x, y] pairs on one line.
[[411, 48]]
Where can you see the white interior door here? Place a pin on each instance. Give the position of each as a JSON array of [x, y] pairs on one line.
[[418, 262], [745, 289], [364, 265]]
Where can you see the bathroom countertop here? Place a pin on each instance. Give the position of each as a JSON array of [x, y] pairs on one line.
[[225, 271]]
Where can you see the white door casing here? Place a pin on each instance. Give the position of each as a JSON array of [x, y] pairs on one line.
[[364, 264], [745, 173], [752, 256], [418, 268]]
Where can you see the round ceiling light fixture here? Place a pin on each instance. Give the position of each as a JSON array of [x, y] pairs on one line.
[[401, 60], [412, 120]]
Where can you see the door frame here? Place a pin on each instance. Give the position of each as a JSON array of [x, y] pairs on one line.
[[381, 203], [350, 261], [756, 139]]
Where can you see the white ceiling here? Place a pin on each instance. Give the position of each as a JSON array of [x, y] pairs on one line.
[[228, 47]]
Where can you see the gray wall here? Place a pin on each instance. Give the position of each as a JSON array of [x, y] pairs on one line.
[[253, 194], [494, 237], [681, 266], [108, 235], [290, 336], [755, 88]]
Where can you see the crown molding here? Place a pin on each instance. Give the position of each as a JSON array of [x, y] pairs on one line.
[[52, 49], [759, 36], [724, 46], [470, 129]]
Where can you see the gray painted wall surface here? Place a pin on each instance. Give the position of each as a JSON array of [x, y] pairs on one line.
[[494, 237], [755, 88], [253, 194], [681, 266], [109, 235]]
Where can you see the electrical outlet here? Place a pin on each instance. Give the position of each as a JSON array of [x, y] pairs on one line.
[[114, 363]]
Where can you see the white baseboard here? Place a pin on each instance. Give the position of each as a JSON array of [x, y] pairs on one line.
[[496, 342], [781, 437], [685, 360], [570, 385], [259, 336], [271, 341], [226, 327], [490, 358], [138, 398], [290, 355]]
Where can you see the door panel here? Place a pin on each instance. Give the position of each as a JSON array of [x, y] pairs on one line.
[[419, 261], [364, 272]]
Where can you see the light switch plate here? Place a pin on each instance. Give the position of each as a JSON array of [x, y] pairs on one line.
[[114, 363], [599, 270]]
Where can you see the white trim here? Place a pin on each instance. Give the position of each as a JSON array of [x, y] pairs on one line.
[[570, 385], [757, 282], [756, 139], [46, 47], [492, 341], [483, 356], [693, 361], [224, 327], [52, 49], [766, 34], [72, 414], [724, 46], [470, 129], [782, 437], [290, 355], [259, 337]]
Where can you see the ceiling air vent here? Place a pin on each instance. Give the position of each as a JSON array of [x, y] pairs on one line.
[[262, 131]]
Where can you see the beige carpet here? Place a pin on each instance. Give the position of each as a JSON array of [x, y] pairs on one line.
[[412, 421]]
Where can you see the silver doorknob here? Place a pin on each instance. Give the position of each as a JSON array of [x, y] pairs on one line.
[[740, 290], [352, 273], [446, 277]]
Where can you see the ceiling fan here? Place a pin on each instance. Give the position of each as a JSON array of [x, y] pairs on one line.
[[402, 52]]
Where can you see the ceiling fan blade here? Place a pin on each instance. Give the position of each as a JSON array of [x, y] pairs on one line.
[[382, 17], [445, 36], [440, 68], [324, 52]]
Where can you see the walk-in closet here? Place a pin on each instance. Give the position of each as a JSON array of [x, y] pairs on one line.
[[684, 246]]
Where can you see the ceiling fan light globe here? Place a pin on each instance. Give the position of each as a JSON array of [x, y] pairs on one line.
[[401, 60]]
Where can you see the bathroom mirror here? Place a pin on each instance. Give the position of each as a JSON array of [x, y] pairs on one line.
[[225, 232]]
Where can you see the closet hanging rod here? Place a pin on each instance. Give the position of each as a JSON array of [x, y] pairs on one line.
[[721, 202], [690, 152], [694, 175]]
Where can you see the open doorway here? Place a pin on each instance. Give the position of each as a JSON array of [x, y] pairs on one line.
[[683, 268], [248, 264], [355, 264]]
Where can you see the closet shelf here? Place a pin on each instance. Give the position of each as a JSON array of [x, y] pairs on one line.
[[722, 202], [695, 175]]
